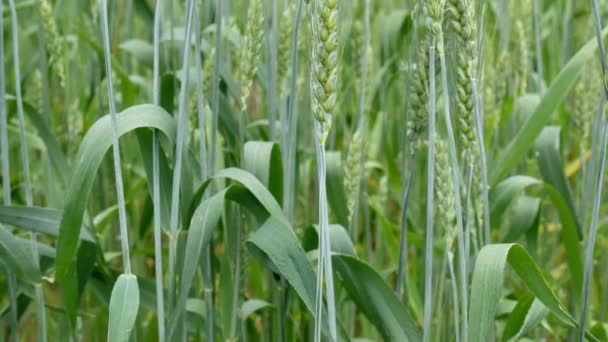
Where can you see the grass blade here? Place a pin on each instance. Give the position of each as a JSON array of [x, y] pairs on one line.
[[535, 123]]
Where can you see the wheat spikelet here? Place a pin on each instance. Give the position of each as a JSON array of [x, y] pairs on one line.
[[352, 172], [52, 40], [325, 60], [418, 96], [462, 22], [444, 191], [251, 49]]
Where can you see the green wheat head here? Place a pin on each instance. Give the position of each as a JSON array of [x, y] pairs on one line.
[[462, 20], [324, 61]]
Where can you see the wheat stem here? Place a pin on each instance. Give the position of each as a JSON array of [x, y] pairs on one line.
[[430, 190], [271, 41], [461, 233], [482, 163], [182, 134], [215, 88], [455, 298], [158, 262], [288, 195], [6, 181], [40, 311], [588, 274], [537, 7], [403, 258]]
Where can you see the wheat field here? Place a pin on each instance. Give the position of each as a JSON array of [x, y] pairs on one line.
[[303, 170]]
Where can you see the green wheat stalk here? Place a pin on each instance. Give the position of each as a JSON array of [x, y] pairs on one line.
[[158, 262], [180, 147], [593, 227], [6, 179], [29, 201]]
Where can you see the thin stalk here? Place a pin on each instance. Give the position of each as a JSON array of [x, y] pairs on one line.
[[200, 97], [324, 262], [600, 178], [271, 67], [430, 190], [215, 88], [364, 68], [361, 126], [482, 163], [208, 290], [29, 201], [12, 291], [6, 179], [182, 127], [209, 274], [363, 187], [567, 33], [537, 5], [592, 163], [288, 196], [472, 234], [402, 263], [158, 261], [455, 298], [122, 213], [238, 260], [460, 232], [593, 233]]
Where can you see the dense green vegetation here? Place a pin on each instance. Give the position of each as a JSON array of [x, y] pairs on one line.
[[303, 170]]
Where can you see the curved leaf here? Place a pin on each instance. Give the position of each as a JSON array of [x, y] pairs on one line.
[[487, 286], [263, 159], [277, 247], [503, 194], [524, 216], [204, 221], [376, 299], [552, 168], [39, 220], [252, 184], [570, 239], [526, 315], [254, 305], [90, 155], [534, 124]]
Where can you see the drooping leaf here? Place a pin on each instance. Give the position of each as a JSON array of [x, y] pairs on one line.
[[263, 159], [552, 168], [524, 216], [504, 193], [376, 299], [534, 124], [38, 220], [254, 305], [92, 150], [526, 315], [487, 284]]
